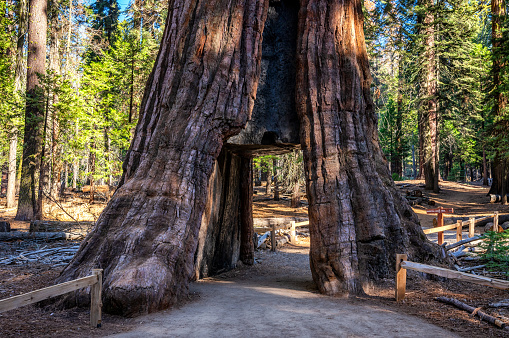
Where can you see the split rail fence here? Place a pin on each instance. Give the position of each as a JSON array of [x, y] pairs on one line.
[[293, 225], [459, 227], [94, 281], [402, 265]]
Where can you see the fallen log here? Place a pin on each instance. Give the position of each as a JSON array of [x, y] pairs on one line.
[[58, 226], [495, 198], [48, 236], [472, 310], [472, 268], [262, 239], [468, 240]]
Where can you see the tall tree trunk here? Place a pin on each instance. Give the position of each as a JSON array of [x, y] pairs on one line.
[[358, 220], [429, 105], [201, 91], [500, 168], [34, 113], [276, 180], [92, 164], [397, 158], [55, 66], [484, 168], [11, 183], [76, 163]]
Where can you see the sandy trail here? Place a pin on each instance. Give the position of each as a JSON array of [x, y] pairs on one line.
[[277, 297]]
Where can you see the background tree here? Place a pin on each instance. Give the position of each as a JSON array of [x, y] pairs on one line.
[[34, 113]]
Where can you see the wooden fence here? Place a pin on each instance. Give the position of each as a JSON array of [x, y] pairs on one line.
[[94, 281], [402, 265], [292, 226], [459, 227]]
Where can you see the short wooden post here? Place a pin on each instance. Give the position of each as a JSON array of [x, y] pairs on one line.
[[495, 222], [459, 231], [273, 237], [292, 232], [95, 299], [400, 277], [471, 227], [440, 218]]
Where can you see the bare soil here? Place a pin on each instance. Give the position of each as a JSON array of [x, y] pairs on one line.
[[275, 297]]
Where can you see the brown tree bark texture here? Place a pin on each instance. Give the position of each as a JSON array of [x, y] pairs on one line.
[[200, 92], [500, 171], [430, 105], [358, 221], [34, 112], [219, 239]]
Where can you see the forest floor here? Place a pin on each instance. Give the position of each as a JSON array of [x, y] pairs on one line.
[[276, 297]]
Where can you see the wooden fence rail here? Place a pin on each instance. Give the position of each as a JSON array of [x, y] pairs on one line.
[[459, 227], [275, 227], [94, 281], [402, 265]]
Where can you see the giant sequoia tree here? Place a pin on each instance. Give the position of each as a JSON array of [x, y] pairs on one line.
[[202, 91]]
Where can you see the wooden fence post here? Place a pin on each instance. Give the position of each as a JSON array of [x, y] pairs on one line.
[[459, 231], [292, 232], [95, 299], [400, 277], [471, 227], [495, 222], [273, 237], [440, 219]]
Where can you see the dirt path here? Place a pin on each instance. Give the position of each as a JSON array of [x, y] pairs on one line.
[[277, 298]]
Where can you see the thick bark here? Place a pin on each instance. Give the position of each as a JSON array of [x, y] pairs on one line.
[[358, 220], [11, 184], [430, 105], [246, 212], [500, 169], [200, 92], [219, 239], [397, 157], [34, 113]]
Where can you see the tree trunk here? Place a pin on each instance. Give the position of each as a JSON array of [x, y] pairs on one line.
[[92, 160], [34, 113], [268, 184], [295, 201], [246, 212], [397, 158], [429, 105], [200, 92], [358, 220], [11, 184], [500, 168], [276, 180], [75, 173], [484, 168]]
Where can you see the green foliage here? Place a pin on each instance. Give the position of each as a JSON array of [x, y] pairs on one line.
[[496, 245]]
